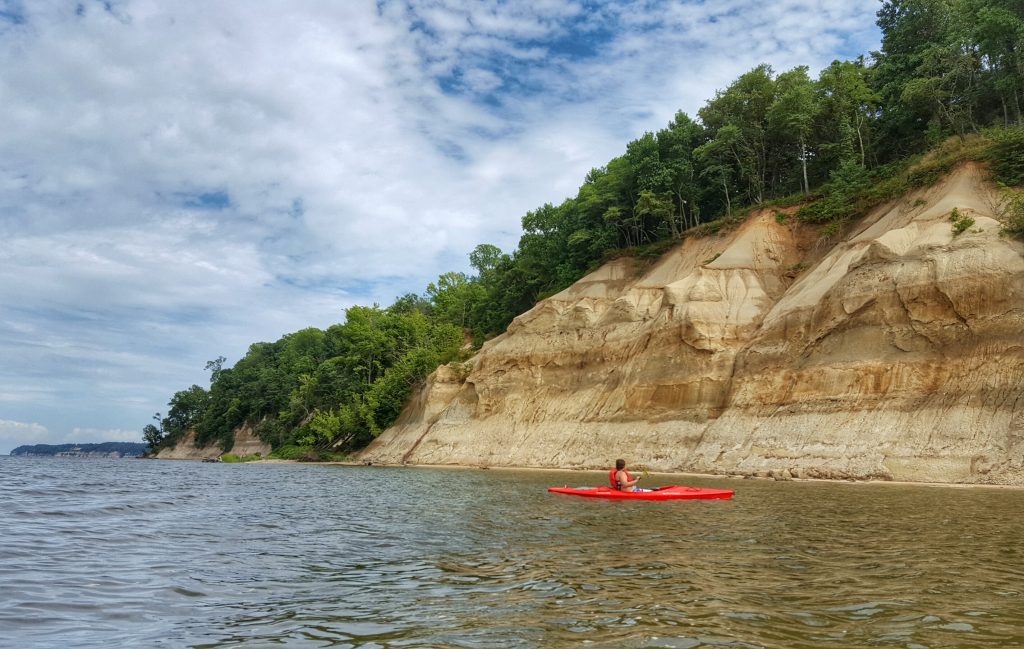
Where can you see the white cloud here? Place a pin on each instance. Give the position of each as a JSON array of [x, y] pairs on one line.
[[92, 435], [178, 180], [16, 433]]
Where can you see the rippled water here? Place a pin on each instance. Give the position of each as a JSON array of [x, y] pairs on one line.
[[132, 553]]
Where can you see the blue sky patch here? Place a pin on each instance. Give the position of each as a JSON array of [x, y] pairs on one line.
[[350, 287], [517, 68], [12, 12], [217, 200], [452, 150], [297, 209]]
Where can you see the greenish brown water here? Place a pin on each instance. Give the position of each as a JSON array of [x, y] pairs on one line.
[[100, 553]]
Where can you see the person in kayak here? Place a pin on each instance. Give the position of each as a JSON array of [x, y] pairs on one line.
[[621, 479]]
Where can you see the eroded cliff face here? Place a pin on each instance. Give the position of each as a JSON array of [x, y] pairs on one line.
[[894, 353], [246, 443]]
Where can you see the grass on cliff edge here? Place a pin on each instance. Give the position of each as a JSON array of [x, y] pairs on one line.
[[853, 190], [231, 458], [1005, 156], [307, 454]]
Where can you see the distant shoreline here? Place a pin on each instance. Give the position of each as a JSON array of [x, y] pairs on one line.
[[95, 449]]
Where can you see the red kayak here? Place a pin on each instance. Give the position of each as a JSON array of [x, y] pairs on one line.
[[663, 493]]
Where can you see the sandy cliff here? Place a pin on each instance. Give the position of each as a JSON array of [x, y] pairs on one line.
[[895, 352], [246, 443]]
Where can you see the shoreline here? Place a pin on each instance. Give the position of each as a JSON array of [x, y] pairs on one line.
[[668, 474]]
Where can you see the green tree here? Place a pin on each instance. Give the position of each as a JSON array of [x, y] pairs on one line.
[[847, 104], [187, 408], [908, 28], [792, 114], [676, 145], [717, 159], [654, 212], [411, 302], [454, 298], [152, 435], [485, 258], [743, 109], [997, 27], [215, 367]]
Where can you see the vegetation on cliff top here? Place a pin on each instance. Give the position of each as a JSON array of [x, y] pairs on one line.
[[315, 388], [839, 144]]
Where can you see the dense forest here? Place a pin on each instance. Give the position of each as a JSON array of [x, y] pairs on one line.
[[949, 80]]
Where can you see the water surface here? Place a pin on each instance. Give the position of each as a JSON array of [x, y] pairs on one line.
[[133, 553]]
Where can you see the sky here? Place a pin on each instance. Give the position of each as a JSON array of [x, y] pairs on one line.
[[179, 180]]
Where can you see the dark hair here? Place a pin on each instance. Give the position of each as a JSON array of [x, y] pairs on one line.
[[620, 465]]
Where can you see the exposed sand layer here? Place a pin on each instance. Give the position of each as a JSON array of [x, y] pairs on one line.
[[246, 443], [894, 353]]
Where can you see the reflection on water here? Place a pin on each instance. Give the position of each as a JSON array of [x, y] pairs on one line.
[[98, 553]]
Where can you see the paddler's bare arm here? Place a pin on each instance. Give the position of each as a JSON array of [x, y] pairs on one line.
[[627, 485]]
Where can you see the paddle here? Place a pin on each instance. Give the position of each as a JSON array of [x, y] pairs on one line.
[[644, 474]]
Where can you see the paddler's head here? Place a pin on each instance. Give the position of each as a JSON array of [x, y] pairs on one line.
[[620, 465]]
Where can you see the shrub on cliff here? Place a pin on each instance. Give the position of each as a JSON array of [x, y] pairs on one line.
[[1012, 207], [1006, 155], [960, 221], [843, 195], [1006, 162]]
